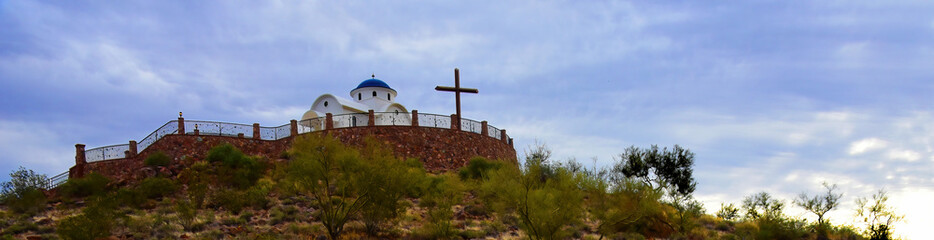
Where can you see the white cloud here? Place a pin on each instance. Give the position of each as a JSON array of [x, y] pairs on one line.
[[906, 155], [864, 145]]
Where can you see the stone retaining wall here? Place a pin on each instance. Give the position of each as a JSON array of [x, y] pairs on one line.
[[439, 149]]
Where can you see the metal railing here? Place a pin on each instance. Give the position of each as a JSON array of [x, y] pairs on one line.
[[434, 120], [392, 119], [58, 180], [170, 127], [311, 125], [106, 152], [275, 133]]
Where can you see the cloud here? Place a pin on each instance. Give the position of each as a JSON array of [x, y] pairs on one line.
[[906, 155], [865, 145]]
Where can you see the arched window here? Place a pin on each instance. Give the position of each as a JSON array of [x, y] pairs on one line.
[[325, 103], [388, 97], [359, 96], [374, 93]]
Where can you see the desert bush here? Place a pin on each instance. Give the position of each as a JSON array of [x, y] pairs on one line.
[[130, 197], [282, 214], [339, 179], [156, 187], [546, 198], [93, 184], [237, 169], [391, 180], [23, 193], [96, 220], [477, 168], [158, 159], [187, 214]]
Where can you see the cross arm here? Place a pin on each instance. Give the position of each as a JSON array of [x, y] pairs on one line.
[[453, 89]]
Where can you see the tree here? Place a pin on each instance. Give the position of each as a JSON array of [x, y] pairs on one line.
[[546, 198], [343, 182], [23, 193], [728, 212], [820, 205], [658, 168], [877, 215], [762, 205], [391, 180], [618, 206]]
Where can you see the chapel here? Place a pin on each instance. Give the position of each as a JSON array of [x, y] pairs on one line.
[[371, 94]]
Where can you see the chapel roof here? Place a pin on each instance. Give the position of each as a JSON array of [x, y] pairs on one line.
[[372, 82]]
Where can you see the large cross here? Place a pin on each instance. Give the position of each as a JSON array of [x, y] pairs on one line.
[[457, 92]]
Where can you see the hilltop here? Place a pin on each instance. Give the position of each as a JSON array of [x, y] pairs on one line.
[[321, 188]]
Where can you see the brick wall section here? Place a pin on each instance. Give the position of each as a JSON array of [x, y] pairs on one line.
[[439, 149]]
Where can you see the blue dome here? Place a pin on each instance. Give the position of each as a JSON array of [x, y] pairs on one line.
[[373, 82]]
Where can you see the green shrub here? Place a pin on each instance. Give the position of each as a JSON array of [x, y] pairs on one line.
[[187, 214], [283, 214], [29, 201], [237, 169], [130, 197], [477, 168], [93, 184], [95, 221], [156, 187], [23, 192], [158, 159]]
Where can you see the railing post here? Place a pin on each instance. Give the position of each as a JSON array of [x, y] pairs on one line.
[[294, 124], [181, 124], [415, 118], [133, 150], [255, 130], [483, 130], [80, 162], [240, 135], [372, 119], [502, 135], [455, 122], [510, 142], [328, 121]]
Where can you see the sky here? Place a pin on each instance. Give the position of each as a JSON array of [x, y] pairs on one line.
[[775, 96]]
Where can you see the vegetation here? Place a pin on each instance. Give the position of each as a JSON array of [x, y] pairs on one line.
[[877, 215], [158, 159], [23, 193], [325, 189], [820, 205]]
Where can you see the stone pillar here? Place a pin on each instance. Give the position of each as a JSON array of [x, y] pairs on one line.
[[502, 135], [181, 124], [510, 142], [455, 122], [328, 121], [372, 119], [133, 150], [255, 130], [415, 118], [80, 162], [483, 131], [294, 127]]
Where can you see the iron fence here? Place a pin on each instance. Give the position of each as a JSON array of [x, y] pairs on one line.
[[392, 119], [218, 128], [280, 132], [311, 125], [471, 126], [106, 152], [350, 120], [169, 128], [434, 120], [58, 180], [493, 132]]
